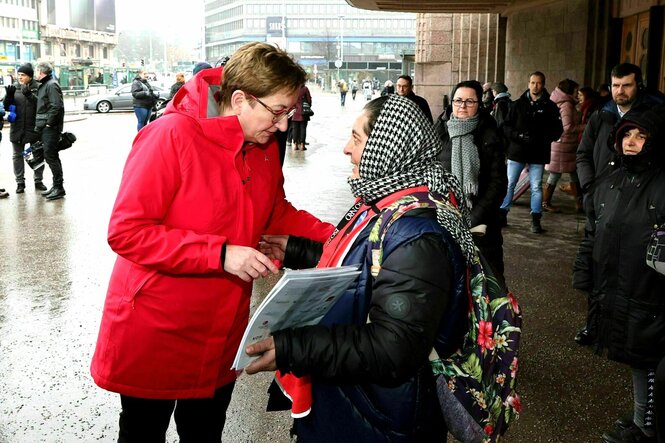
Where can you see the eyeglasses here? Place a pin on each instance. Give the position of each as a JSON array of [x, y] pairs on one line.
[[467, 103], [277, 116]]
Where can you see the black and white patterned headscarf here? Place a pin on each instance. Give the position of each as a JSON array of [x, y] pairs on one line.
[[401, 152]]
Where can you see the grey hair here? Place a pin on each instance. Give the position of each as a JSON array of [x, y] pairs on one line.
[[44, 67]]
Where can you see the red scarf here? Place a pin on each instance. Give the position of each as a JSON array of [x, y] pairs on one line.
[[299, 389]]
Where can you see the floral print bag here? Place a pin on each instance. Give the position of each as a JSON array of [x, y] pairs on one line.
[[475, 385]]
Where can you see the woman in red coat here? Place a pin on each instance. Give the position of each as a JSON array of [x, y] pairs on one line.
[[200, 186]]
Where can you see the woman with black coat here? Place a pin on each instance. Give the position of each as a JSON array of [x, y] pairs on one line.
[[629, 204], [473, 150]]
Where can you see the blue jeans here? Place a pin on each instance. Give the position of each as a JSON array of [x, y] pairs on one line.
[[536, 179], [142, 115]]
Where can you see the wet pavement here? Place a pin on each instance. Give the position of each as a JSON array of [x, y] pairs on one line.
[[55, 264]]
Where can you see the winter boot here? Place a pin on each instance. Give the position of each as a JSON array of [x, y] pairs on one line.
[[567, 188], [547, 199], [535, 223]]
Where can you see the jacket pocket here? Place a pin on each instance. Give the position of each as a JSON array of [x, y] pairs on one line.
[[645, 333]]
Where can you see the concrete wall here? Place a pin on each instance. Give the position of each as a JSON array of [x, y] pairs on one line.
[[547, 36], [455, 47]]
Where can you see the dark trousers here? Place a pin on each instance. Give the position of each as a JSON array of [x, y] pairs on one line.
[[19, 165], [299, 132], [50, 137], [199, 420]]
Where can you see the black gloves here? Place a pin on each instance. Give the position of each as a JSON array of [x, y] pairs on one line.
[[524, 137], [11, 89], [25, 90]]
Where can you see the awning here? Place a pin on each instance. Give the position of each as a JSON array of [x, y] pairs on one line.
[[433, 6]]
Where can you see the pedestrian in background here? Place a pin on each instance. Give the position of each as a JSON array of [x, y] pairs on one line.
[[488, 96], [343, 89], [22, 132], [473, 151], [371, 379], [405, 89], [199, 188], [630, 202], [563, 151], [354, 89], [179, 81], [388, 88], [502, 104], [533, 124], [49, 122], [143, 98], [299, 120], [3, 192]]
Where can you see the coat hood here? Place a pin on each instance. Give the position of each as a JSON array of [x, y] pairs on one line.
[[559, 97], [652, 123], [199, 99]]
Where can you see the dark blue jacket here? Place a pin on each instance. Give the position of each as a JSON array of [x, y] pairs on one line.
[[372, 381]]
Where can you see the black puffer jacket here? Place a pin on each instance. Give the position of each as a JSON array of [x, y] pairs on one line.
[[142, 95], [23, 129], [628, 204], [539, 119], [50, 105]]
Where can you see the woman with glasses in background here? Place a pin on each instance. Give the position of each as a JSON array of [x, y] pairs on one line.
[[473, 151], [199, 188]]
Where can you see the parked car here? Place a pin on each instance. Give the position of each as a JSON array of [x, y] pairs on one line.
[[119, 98]]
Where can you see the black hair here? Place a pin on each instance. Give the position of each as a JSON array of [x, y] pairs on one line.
[[568, 86], [588, 92], [623, 69], [539, 74], [407, 78], [373, 109], [473, 84]]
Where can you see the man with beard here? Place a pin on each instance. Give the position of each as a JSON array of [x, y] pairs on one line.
[[595, 159]]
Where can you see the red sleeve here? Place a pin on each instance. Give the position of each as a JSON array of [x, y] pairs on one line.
[[137, 232]]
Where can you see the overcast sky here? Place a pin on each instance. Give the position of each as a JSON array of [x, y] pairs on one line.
[[182, 22]]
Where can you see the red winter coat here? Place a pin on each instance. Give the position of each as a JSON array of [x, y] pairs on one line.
[[173, 319], [562, 154]]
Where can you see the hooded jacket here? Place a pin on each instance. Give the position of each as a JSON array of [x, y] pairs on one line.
[[629, 203], [562, 154], [173, 319]]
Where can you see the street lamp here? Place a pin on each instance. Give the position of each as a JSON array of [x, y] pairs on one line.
[[341, 43]]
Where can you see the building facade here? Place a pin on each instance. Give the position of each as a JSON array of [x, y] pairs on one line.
[[76, 36], [329, 38]]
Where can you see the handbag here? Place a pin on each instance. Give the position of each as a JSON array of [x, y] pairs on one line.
[[656, 250], [307, 109], [66, 141], [34, 156]]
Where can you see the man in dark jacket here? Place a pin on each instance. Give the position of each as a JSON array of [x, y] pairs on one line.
[[596, 159], [405, 89], [49, 122], [533, 123], [143, 98], [22, 131]]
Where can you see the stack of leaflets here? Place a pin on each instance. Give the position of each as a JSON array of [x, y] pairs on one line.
[[300, 298]]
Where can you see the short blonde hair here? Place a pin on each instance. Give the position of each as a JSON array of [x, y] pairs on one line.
[[260, 69], [180, 77]]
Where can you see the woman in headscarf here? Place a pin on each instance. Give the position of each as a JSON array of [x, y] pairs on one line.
[[629, 204], [473, 151], [366, 364]]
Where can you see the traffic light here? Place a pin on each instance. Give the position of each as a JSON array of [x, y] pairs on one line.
[[142, 62]]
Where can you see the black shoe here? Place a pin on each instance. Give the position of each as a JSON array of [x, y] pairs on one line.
[[584, 338], [623, 422], [20, 188], [48, 191], [39, 186], [631, 434], [536, 228], [3, 193], [306, 143], [58, 192]]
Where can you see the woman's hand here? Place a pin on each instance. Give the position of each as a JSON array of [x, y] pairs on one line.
[[266, 362], [274, 246], [247, 263]]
